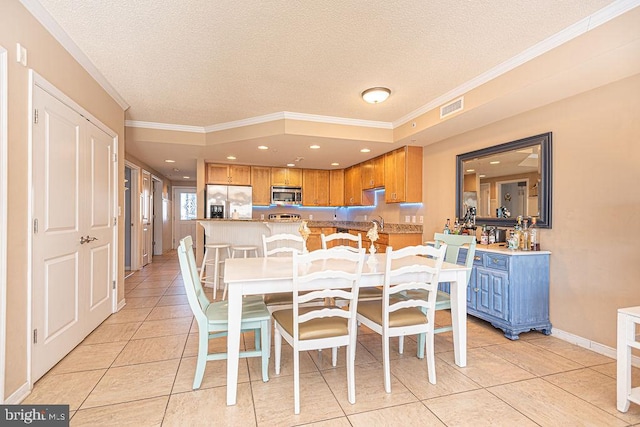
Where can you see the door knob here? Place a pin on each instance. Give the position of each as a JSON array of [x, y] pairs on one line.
[[87, 239]]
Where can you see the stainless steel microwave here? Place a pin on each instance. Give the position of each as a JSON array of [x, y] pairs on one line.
[[286, 195]]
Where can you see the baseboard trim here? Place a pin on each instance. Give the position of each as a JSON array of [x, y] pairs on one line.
[[19, 395], [591, 345], [121, 304]]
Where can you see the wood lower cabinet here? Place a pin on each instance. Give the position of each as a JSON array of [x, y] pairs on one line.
[[403, 175], [395, 240], [314, 241], [286, 176], [510, 291], [228, 174], [315, 187], [261, 185], [336, 187]]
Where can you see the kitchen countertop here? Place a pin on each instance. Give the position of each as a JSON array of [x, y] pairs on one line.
[[351, 225]]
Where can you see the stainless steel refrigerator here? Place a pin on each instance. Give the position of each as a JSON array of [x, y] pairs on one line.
[[225, 200]]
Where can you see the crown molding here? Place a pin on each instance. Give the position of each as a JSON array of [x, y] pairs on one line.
[[163, 126], [42, 15], [581, 27], [338, 120]]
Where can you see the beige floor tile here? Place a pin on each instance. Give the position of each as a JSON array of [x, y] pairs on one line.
[[165, 327], [274, 401], [570, 351], [487, 369], [208, 407], [170, 312], [87, 357], [286, 363], [215, 374], [610, 369], [127, 315], [413, 414], [412, 373], [173, 300], [370, 393], [143, 293], [476, 408], [216, 345], [153, 283], [64, 389], [482, 335], [532, 358], [548, 405], [175, 290], [141, 302], [152, 350], [334, 422], [597, 389], [134, 382], [112, 333], [139, 413], [373, 344], [323, 359]]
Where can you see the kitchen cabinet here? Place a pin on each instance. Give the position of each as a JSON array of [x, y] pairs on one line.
[[315, 187], [286, 176], [510, 290], [261, 185], [373, 173], [395, 240], [314, 241], [336, 187], [403, 175], [228, 174], [353, 194]]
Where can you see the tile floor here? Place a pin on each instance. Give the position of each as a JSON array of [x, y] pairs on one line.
[[137, 369]]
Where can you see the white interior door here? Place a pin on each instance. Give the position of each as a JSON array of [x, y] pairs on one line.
[[72, 231], [147, 228], [185, 213]]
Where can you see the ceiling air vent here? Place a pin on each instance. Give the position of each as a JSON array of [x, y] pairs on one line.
[[452, 107]]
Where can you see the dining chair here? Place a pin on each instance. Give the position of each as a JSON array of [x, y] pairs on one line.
[[396, 315], [321, 274], [329, 241], [454, 243], [212, 318]]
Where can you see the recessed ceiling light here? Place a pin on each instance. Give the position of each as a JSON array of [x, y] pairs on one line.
[[376, 95], [471, 170], [365, 150], [231, 157], [185, 177], [314, 147], [482, 175], [176, 170], [495, 162], [335, 164], [169, 161], [291, 164], [262, 147]]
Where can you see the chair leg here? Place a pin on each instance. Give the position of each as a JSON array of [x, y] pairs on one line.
[[421, 343], [257, 335], [351, 377], [216, 266], [266, 349], [334, 356], [387, 368], [296, 381], [400, 344], [277, 340], [203, 348], [431, 358]]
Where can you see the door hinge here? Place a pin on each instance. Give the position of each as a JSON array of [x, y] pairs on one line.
[[35, 116], [35, 226], [115, 220], [115, 157], [35, 336], [114, 284]]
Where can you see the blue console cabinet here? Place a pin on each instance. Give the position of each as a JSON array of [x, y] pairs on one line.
[[510, 290]]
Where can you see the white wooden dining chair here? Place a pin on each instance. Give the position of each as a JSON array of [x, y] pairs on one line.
[[212, 318], [396, 315], [329, 241], [321, 274]]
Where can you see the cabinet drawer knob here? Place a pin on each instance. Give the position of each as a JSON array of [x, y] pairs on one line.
[[477, 258], [476, 289], [495, 261]]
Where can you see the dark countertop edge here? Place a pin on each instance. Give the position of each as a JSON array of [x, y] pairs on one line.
[[351, 225]]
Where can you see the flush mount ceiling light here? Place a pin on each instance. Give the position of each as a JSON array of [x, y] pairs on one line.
[[376, 95]]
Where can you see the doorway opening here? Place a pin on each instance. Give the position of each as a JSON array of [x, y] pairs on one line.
[[157, 215], [185, 212], [131, 218]]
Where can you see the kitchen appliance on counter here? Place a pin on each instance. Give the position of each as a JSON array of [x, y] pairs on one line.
[[228, 201], [286, 196], [284, 217]]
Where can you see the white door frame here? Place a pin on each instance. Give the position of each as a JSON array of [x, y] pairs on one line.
[[36, 79], [156, 188], [135, 215], [3, 214], [176, 202]]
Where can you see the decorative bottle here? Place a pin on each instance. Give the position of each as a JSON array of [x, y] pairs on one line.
[[492, 235], [517, 233], [456, 227], [534, 237], [526, 242], [484, 237], [446, 230]]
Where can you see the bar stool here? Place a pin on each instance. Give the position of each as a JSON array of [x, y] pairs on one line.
[[206, 261], [628, 320], [245, 250]]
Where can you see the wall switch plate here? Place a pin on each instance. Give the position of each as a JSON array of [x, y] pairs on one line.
[[421, 219], [261, 216], [407, 218], [413, 219], [365, 217], [21, 54], [310, 216]]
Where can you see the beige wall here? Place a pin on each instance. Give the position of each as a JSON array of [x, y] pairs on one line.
[[596, 203], [54, 64]]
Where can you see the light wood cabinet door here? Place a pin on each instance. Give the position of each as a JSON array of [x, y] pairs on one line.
[[315, 187], [373, 173], [286, 176], [261, 185], [403, 175], [353, 193], [228, 174], [336, 187], [314, 241]]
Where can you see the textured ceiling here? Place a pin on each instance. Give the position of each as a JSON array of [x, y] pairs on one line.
[[207, 63]]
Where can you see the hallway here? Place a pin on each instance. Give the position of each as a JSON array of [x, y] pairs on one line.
[[137, 369]]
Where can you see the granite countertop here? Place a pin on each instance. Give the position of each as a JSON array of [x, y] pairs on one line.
[[351, 225]]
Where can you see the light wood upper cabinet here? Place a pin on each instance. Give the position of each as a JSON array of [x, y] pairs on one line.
[[286, 176], [315, 187], [403, 175], [261, 185], [353, 194], [336, 187], [228, 174], [373, 173]]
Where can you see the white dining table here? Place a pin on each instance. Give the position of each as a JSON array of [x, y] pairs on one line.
[[257, 276]]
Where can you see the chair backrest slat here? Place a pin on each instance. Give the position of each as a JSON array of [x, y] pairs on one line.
[[282, 244], [454, 242], [355, 238], [198, 301]]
